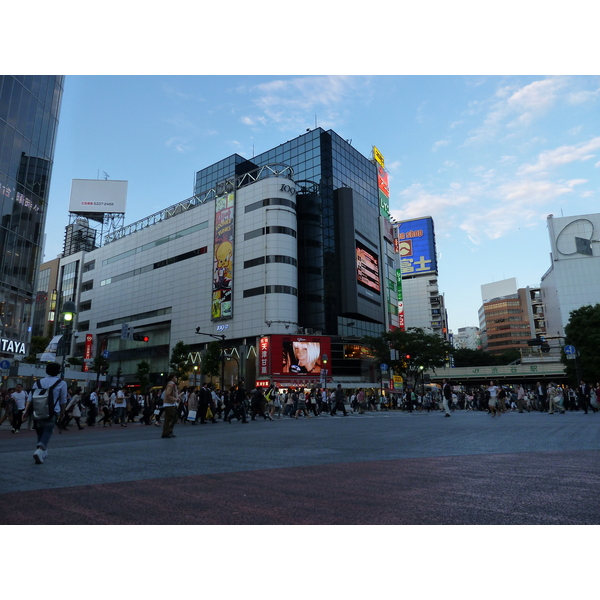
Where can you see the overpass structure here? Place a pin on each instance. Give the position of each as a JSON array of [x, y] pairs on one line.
[[526, 373]]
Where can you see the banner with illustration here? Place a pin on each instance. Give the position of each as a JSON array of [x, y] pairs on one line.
[[222, 307]]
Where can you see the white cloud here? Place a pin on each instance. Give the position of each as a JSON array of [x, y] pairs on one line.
[[437, 145], [517, 108], [294, 103], [584, 96], [562, 156]]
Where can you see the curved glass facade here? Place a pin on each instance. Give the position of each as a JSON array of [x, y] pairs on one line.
[[29, 109]]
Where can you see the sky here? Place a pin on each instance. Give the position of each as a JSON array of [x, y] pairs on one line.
[[487, 156]]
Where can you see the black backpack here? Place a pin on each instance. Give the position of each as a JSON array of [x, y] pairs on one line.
[[43, 401]]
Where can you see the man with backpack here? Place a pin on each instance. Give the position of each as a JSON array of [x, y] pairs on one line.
[[50, 398]]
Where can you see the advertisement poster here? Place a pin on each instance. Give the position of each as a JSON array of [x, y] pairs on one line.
[[222, 307], [367, 268], [300, 357]]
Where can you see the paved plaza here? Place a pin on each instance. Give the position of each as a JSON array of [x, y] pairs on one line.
[[379, 468]]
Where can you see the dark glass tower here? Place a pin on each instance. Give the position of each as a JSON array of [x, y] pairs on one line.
[[29, 109], [337, 202]]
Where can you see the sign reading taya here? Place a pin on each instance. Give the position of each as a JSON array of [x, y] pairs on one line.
[[416, 246], [13, 346], [222, 307]]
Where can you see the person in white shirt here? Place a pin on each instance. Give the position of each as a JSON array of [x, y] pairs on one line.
[[45, 427], [20, 398], [120, 408], [93, 409]]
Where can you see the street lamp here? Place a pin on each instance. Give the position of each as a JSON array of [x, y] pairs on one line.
[[325, 359], [69, 310], [222, 338]]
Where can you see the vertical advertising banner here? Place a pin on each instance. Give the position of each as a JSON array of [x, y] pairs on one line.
[[222, 307], [400, 300], [87, 353], [263, 357], [384, 192]]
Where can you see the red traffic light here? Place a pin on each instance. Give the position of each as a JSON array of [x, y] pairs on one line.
[[138, 337]]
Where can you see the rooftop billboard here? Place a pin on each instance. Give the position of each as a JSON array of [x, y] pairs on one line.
[[98, 196], [416, 247]]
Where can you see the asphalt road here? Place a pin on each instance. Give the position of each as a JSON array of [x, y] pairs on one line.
[[377, 468]]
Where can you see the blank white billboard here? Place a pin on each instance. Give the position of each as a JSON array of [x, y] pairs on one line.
[[98, 196]]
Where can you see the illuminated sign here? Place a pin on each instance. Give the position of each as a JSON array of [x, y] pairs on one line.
[[13, 346], [384, 191], [263, 357], [87, 353], [222, 307], [301, 356], [367, 268], [378, 157], [416, 247]]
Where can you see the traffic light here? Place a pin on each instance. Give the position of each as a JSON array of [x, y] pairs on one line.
[[140, 337]]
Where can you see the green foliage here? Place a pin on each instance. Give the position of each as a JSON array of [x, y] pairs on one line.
[[99, 364], [211, 360], [583, 332], [143, 369], [465, 357], [179, 360], [415, 349], [37, 345]]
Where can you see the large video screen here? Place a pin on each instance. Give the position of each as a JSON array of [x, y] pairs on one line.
[[367, 268], [300, 355]]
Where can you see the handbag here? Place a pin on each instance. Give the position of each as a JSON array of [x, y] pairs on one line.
[[191, 415], [209, 414]]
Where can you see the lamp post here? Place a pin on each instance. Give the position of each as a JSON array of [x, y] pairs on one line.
[[222, 338], [325, 359], [68, 312]]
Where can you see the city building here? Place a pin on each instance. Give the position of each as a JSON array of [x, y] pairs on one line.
[[423, 304], [572, 280], [286, 260], [29, 111], [509, 316], [467, 338]]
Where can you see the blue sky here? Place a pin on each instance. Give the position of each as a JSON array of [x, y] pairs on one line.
[[488, 157]]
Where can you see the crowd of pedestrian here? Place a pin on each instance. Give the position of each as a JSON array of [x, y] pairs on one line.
[[195, 405]]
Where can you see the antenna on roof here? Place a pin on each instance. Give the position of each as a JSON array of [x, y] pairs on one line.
[[106, 175]]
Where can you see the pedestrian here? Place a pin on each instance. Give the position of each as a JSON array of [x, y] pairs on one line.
[[584, 396], [300, 404], [338, 401], [493, 399], [170, 407], [20, 399], [555, 399], [92, 408], [73, 410], [447, 394], [521, 399], [541, 397], [120, 404], [44, 427], [192, 405]]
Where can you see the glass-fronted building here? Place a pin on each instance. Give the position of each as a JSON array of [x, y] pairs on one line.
[[337, 201], [29, 110]]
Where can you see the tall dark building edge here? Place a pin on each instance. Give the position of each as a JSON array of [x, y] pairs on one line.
[[29, 111]]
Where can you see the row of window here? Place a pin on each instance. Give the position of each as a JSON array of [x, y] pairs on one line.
[[270, 289], [154, 243]]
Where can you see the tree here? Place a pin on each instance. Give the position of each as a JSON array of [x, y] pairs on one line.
[[37, 346], [583, 332], [414, 349], [179, 363], [211, 360], [143, 369]]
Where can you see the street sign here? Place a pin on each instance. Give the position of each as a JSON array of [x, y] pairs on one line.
[[570, 350], [384, 367], [105, 354], [4, 364]]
